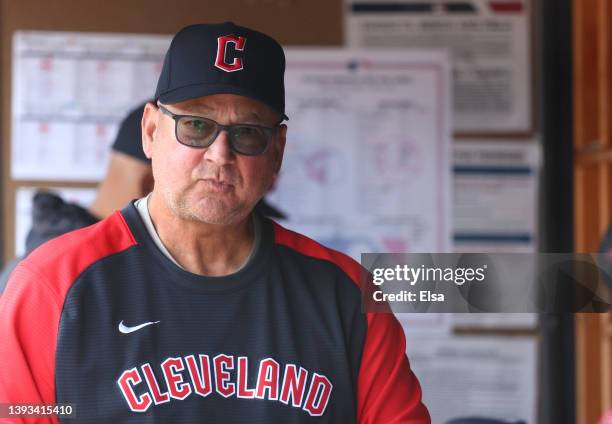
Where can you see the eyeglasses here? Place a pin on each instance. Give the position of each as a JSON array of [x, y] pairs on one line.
[[200, 132]]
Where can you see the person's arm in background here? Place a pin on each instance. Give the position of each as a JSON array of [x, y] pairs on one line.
[[6, 273], [387, 390], [29, 316]]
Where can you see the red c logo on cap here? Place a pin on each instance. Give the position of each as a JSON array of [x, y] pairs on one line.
[[222, 43]]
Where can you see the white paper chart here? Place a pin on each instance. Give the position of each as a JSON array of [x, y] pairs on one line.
[[70, 91], [495, 203], [490, 45], [466, 376], [495, 196], [367, 164]]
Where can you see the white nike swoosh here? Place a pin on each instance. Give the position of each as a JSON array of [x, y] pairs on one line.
[[125, 329]]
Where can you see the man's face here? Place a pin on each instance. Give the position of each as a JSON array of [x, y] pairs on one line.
[[213, 185]]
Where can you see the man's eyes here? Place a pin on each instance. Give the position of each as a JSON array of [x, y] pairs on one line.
[[198, 124]]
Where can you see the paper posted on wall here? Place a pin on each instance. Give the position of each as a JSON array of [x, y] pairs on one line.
[[490, 45], [467, 376], [367, 162], [70, 91]]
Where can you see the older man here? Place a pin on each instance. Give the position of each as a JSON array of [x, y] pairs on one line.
[[188, 307]]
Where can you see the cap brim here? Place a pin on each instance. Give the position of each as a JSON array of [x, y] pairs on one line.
[[200, 90]]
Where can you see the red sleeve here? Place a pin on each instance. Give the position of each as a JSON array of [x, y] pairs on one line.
[[29, 318], [31, 306], [387, 390]]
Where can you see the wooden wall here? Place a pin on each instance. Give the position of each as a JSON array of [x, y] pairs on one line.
[[592, 191]]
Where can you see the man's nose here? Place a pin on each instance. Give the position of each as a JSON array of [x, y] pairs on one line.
[[220, 151]]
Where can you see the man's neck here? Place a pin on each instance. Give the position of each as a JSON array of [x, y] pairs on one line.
[[200, 248]]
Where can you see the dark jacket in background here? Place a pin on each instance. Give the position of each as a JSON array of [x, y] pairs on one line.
[[51, 217]]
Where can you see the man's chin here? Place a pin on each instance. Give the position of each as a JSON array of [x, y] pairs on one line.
[[218, 213]]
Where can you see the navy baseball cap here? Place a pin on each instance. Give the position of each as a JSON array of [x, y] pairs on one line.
[[224, 58]]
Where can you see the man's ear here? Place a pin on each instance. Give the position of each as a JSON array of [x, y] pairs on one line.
[[280, 148], [149, 127]]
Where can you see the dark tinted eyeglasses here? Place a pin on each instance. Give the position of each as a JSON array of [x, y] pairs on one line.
[[200, 132]]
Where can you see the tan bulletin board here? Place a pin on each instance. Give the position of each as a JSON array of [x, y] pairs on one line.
[[292, 22]]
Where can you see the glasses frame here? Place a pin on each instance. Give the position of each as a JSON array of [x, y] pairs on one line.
[[270, 132]]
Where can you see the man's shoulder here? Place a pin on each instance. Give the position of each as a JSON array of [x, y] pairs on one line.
[[306, 246], [72, 252]]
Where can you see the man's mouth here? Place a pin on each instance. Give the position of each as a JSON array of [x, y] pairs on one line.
[[217, 185]]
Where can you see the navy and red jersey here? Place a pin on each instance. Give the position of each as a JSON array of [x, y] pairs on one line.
[[100, 318]]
